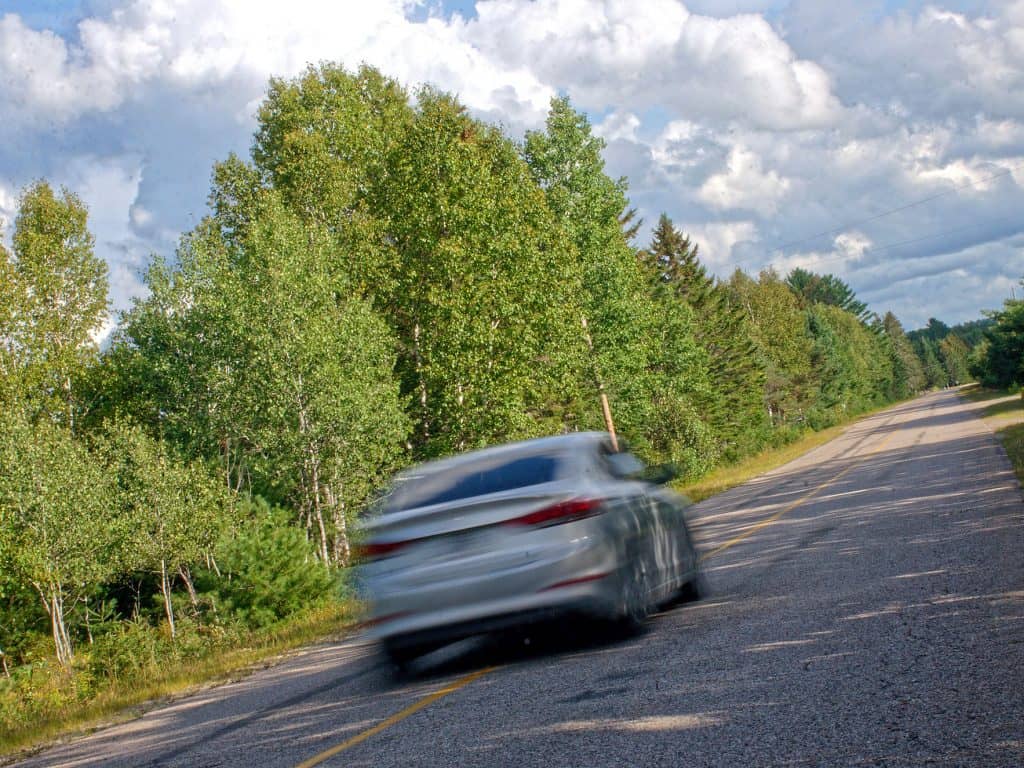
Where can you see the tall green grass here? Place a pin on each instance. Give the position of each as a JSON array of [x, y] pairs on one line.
[[119, 678]]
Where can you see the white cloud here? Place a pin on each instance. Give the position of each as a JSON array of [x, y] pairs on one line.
[[717, 239], [8, 210], [934, 62], [745, 185], [193, 45], [109, 187], [641, 54], [750, 134], [618, 126]]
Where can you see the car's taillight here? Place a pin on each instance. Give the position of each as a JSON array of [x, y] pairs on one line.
[[563, 512], [377, 550]]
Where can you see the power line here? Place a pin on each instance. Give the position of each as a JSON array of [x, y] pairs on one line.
[[913, 240], [891, 211]]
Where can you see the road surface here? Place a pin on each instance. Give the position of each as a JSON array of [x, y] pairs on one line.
[[866, 607]]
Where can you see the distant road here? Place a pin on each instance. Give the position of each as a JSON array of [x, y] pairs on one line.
[[866, 608]]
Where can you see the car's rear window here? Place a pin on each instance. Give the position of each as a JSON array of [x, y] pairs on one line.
[[473, 480]]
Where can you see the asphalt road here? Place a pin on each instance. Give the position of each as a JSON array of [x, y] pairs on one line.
[[866, 607]]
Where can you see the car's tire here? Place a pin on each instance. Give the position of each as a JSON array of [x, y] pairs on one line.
[[402, 655], [635, 602], [694, 589]]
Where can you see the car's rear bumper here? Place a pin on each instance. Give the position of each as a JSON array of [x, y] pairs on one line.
[[583, 579], [441, 634]]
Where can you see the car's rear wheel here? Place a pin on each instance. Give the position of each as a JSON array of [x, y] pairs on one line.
[[635, 600], [403, 654], [694, 589]]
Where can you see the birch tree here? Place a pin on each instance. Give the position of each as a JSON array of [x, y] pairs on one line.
[[265, 358], [642, 350], [172, 510], [60, 288], [63, 534], [446, 233]]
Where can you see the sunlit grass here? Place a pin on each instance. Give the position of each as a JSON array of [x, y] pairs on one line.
[[1006, 416], [129, 697], [1013, 441], [726, 477], [979, 394]]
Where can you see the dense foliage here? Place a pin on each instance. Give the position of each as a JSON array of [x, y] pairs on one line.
[[998, 360], [386, 280]]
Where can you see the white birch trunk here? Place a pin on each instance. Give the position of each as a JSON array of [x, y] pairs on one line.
[[165, 589]]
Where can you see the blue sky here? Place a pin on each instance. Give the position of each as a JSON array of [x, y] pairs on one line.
[[752, 123]]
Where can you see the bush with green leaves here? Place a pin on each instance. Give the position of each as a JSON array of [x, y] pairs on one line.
[[268, 570]]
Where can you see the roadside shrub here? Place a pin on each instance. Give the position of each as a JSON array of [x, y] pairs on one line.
[[268, 570]]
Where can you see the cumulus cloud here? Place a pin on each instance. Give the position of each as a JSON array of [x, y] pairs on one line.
[[717, 241], [195, 46], [936, 62], [657, 52], [8, 210], [744, 184], [884, 145]]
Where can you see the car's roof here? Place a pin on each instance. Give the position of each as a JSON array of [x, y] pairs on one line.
[[568, 443]]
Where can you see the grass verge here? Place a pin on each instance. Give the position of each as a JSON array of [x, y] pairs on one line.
[[1004, 412], [724, 478], [129, 697]]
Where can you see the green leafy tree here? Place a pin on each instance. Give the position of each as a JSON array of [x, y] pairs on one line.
[[565, 161], [258, 353], [61, 533], [953, 353], [1001, 361], [927, 350], [174, 508], [487, 293], [907, 370], [851, 363], [12, 302], [330, 142], [445, 233], [972, 332], [57, 293], [935, 331], [779, 329], [643, 354]]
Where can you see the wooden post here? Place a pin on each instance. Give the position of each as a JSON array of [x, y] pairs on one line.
[[605, 408], [608, 421]]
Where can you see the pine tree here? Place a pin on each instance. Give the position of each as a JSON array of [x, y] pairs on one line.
[[827, 289], [735, 408], [908, 374]]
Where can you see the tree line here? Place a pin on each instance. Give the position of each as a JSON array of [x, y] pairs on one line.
[[384, 280]]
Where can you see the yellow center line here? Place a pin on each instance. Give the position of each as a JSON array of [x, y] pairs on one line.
[[395, 718], [461, 682]]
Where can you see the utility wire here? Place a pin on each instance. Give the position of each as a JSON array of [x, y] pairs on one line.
[[883, 214], [911, 241]]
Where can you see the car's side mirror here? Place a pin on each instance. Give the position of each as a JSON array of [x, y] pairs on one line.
[[625, 464], [660, 474]]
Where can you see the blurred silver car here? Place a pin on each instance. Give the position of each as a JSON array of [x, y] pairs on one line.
[[496, 538]]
